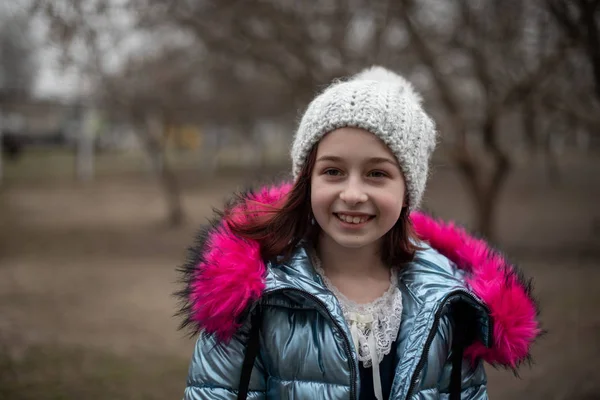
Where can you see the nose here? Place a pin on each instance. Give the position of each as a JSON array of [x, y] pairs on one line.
[[353, 193]]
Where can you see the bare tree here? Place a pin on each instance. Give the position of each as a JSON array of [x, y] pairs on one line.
[[278, 50], [579, 101], [17, 62], [17, 69], [580, 21], [88, 34], [298, 46], [477, 56], [480, 64]]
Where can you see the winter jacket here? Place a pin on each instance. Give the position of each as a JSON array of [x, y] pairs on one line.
[[305, 348]]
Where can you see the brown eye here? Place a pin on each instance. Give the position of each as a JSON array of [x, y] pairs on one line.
[[377, 174], [332, 172]]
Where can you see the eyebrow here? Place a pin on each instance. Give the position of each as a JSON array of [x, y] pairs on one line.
[[372, 160]]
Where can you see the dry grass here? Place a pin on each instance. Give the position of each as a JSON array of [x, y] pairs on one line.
[[54, 372]]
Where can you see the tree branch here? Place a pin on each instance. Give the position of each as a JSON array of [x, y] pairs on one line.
[[526, 86], [427, 55]]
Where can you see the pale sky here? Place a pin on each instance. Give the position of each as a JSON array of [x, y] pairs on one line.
[[52, 81]]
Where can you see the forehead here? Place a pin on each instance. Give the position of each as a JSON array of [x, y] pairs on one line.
[[353, 144]]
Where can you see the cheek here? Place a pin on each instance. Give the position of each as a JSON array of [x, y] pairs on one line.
[[318, 200], [322, 200], [391, 203]]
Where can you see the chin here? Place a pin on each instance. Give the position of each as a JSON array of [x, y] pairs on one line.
[[352, 243]]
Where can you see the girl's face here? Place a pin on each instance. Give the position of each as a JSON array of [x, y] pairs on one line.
[[357, 188]]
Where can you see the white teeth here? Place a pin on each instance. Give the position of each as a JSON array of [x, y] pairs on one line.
[[352, 220]]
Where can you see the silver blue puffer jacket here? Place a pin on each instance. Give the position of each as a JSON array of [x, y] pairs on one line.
[[306, 351]]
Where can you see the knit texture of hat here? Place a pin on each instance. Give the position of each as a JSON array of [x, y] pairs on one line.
[[383, 103]]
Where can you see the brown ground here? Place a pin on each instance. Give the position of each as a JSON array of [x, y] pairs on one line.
[[86, 274]]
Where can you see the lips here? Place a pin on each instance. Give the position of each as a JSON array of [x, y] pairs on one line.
[[353, 218]]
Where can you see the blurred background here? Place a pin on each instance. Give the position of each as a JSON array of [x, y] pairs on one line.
[[123, 122]]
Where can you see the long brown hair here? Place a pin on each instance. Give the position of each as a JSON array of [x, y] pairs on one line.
[[278, 229]]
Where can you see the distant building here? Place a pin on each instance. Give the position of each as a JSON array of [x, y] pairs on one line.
[[51, 123]]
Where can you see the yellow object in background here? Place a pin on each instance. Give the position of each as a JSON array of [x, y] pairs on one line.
[[184, 137]]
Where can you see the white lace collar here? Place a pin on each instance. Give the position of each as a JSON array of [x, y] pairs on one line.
[[375, 324]]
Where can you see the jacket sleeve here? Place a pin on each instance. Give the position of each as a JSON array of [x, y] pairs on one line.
[[215, 370]]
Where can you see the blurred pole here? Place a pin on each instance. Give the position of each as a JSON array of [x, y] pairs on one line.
[[1, 148], [209, 150], [84, 159], [85, 147], [153, 142]]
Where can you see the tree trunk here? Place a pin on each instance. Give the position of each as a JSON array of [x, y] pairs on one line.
[[173, 196], [485, 197], [1, 148], [500, 171], [487, 203], [168, 180], [589, 19], [551, 169], [484, 189], [84, 159]]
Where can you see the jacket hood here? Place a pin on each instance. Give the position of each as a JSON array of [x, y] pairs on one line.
[[224, 275]]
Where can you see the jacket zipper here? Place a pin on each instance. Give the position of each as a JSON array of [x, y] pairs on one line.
[[347, 345], [432, 333]]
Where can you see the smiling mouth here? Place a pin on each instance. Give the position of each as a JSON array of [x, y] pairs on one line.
[[353, 219]]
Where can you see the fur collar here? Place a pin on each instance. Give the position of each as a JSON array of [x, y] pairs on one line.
[[224, 275]]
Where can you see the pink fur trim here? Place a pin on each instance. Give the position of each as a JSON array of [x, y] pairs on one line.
[[231, 276], [495, 282]]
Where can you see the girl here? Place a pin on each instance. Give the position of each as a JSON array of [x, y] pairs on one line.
[[335, 287]]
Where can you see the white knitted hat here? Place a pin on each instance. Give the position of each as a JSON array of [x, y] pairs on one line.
[[383, 103]]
